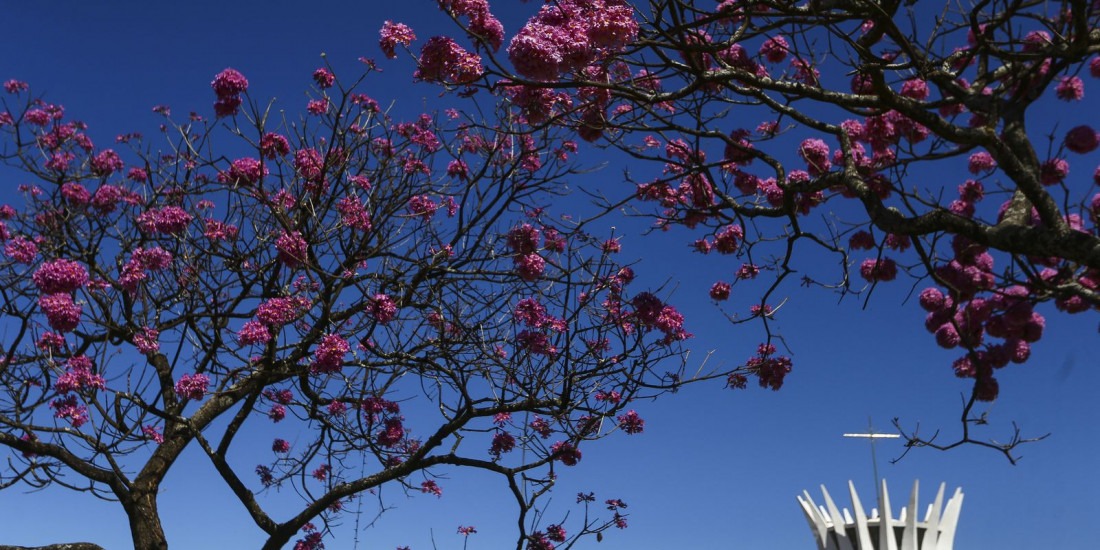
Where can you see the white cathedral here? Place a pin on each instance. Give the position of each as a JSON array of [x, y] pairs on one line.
[[836, 530]]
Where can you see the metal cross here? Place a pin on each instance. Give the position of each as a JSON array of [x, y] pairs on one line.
[[872, 436]]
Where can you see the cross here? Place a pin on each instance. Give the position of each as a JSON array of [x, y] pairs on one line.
[[872, 436]]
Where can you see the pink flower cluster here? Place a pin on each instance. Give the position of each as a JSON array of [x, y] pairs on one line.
[[309, 164], [228, 85], [244, 171], [569, 35], [524, 242], [272, 314], [769, 368], [324, 78], [141, 261], [147, 341], [631, 423], [816, 154], [353, 214], [292, 248], [533, 314], [442, 60], [171, 220], [480, 22], [68, 408], [651, 312], [153, 433], [422, 206], [566, 452], [503, 442], [878, 269], [60, 276], [1082, 139], [61, 312], [329, 356], [273, 146], [21, 250], [383, 308], [280, 446], [79, 376], [430, 486], [192, 386], [393, 34]]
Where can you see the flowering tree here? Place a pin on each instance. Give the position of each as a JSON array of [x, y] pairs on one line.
[[396, 297], [840, 144]]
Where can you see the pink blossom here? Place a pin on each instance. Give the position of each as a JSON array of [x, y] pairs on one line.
[[1070, 88], [79, 376], [15, 86], [280, 446], [219, 231], [775, 49], [192, 386], [720, 291], [430, 486], [503, 442], [727, 240], [466, 530], [309, 164], [329, 356], [566, 453], [915, 88], [541, 427], [529, 267], [442, 60], [106, 198], [76, 194], [106, 163], [802, 71], [229, 83], [245, 171], [1082, 139], [878, 269], [383, 308], [981, 162], [317, 106], [1053, 171], [153, 259], [392, 433], [280, 311], [146, 341], [292, 249], [337, 408], [51, 341], [153, 434], [68, 408], [21, 250], [273, 146], [538, 541], [631, 423], [536, 343], [60, 275], [169, 219], [61, 312], [931, 299], [523, 239], [324, 78], [393, 34], [422, 206], [353, 214]]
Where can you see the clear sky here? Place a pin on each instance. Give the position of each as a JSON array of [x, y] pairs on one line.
[[715, 468]]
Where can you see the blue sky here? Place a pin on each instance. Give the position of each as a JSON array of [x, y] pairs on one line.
[[715, 468]]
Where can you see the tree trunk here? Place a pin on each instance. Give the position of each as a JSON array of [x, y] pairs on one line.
[[145, 527]]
